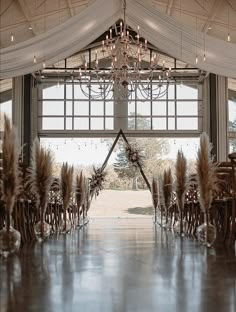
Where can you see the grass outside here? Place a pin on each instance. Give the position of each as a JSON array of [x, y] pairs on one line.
[[123, 204]]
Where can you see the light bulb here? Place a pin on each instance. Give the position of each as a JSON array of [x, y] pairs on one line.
[[204, 57], [196, 59], [44, 64], [35, 61], [12, 38], [228, 38]]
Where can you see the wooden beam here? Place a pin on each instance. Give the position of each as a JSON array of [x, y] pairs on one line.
[[26, 12], [214, 11], [169, 7], [71, 9]]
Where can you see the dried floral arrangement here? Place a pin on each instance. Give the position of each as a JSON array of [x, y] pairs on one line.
[[41, 177], [134, 156], [79, 190], [10, 172], [155, 192], [96, 181], [167, 182], [155, 197], [66, 188], [206, 173], [181, 184]]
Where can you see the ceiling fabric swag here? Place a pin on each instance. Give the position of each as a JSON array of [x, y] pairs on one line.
[[165, 33], [162, 31], [60, 42]]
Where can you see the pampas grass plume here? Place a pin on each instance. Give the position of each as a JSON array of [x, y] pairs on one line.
[[181, 178], [41, 174], [167, 187], [79, 189], [155, 193], [206, 173], [66, 184], [10, 172]]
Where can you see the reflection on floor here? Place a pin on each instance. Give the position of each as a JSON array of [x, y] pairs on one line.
[[119, 265]]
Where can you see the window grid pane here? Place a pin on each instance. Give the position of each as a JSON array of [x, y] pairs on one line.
[[178, 109]]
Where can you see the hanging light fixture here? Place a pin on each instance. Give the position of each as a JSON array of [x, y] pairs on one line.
[[126, 75]]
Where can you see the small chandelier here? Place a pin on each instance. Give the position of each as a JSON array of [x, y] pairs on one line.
[[126, 75]]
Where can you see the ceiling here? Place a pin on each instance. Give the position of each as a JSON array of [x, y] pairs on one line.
[[25, 19]]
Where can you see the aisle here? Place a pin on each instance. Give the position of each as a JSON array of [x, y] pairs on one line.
[[119, 265]]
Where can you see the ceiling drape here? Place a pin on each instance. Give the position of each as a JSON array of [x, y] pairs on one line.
[[162, 31]]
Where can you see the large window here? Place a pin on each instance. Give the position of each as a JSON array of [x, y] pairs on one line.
[[5, 104], [178, 110], [64, 107], [5, 100], [232, 114]]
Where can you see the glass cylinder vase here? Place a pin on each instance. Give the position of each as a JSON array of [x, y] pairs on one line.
[[10, 240], [42, 230], [206, 232]]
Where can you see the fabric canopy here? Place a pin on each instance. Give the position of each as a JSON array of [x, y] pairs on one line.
[[162, 31]]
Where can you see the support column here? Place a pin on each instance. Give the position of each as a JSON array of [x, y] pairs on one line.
[[120, 112], [27, 119], [218, 116], [18, 106], [21, 115], [222, 110]]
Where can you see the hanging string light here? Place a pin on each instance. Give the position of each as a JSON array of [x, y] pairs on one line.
[[204, 55], [196, 59], [228, 36]]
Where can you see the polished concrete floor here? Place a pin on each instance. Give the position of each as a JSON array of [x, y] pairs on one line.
[[118, 265]]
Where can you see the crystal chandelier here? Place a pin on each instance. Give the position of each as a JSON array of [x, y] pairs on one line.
[[126, 74]]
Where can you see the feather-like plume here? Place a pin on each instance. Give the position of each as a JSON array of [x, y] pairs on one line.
[[167, 187], [79, 191], [155, 193], [41, 175], [181, 179], [10, 172], [66, 184], [206, 173]]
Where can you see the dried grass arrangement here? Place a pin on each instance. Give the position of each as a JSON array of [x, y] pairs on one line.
[[181, 184], [155, 197], [80, 192], [10, 173], [87, 199], [167, 182], [207, 184], [41, 179], [206, 173], [66, 189]]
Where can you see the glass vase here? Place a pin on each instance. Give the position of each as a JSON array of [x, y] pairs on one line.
[[206, 232], [10, 241], [42, 230], [65, 226], [177, 227], [180, 224]]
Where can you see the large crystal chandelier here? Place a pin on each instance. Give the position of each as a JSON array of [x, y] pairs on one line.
[[126, 73]]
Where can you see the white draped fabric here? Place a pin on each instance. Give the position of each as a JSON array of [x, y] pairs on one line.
[[159, 29]]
